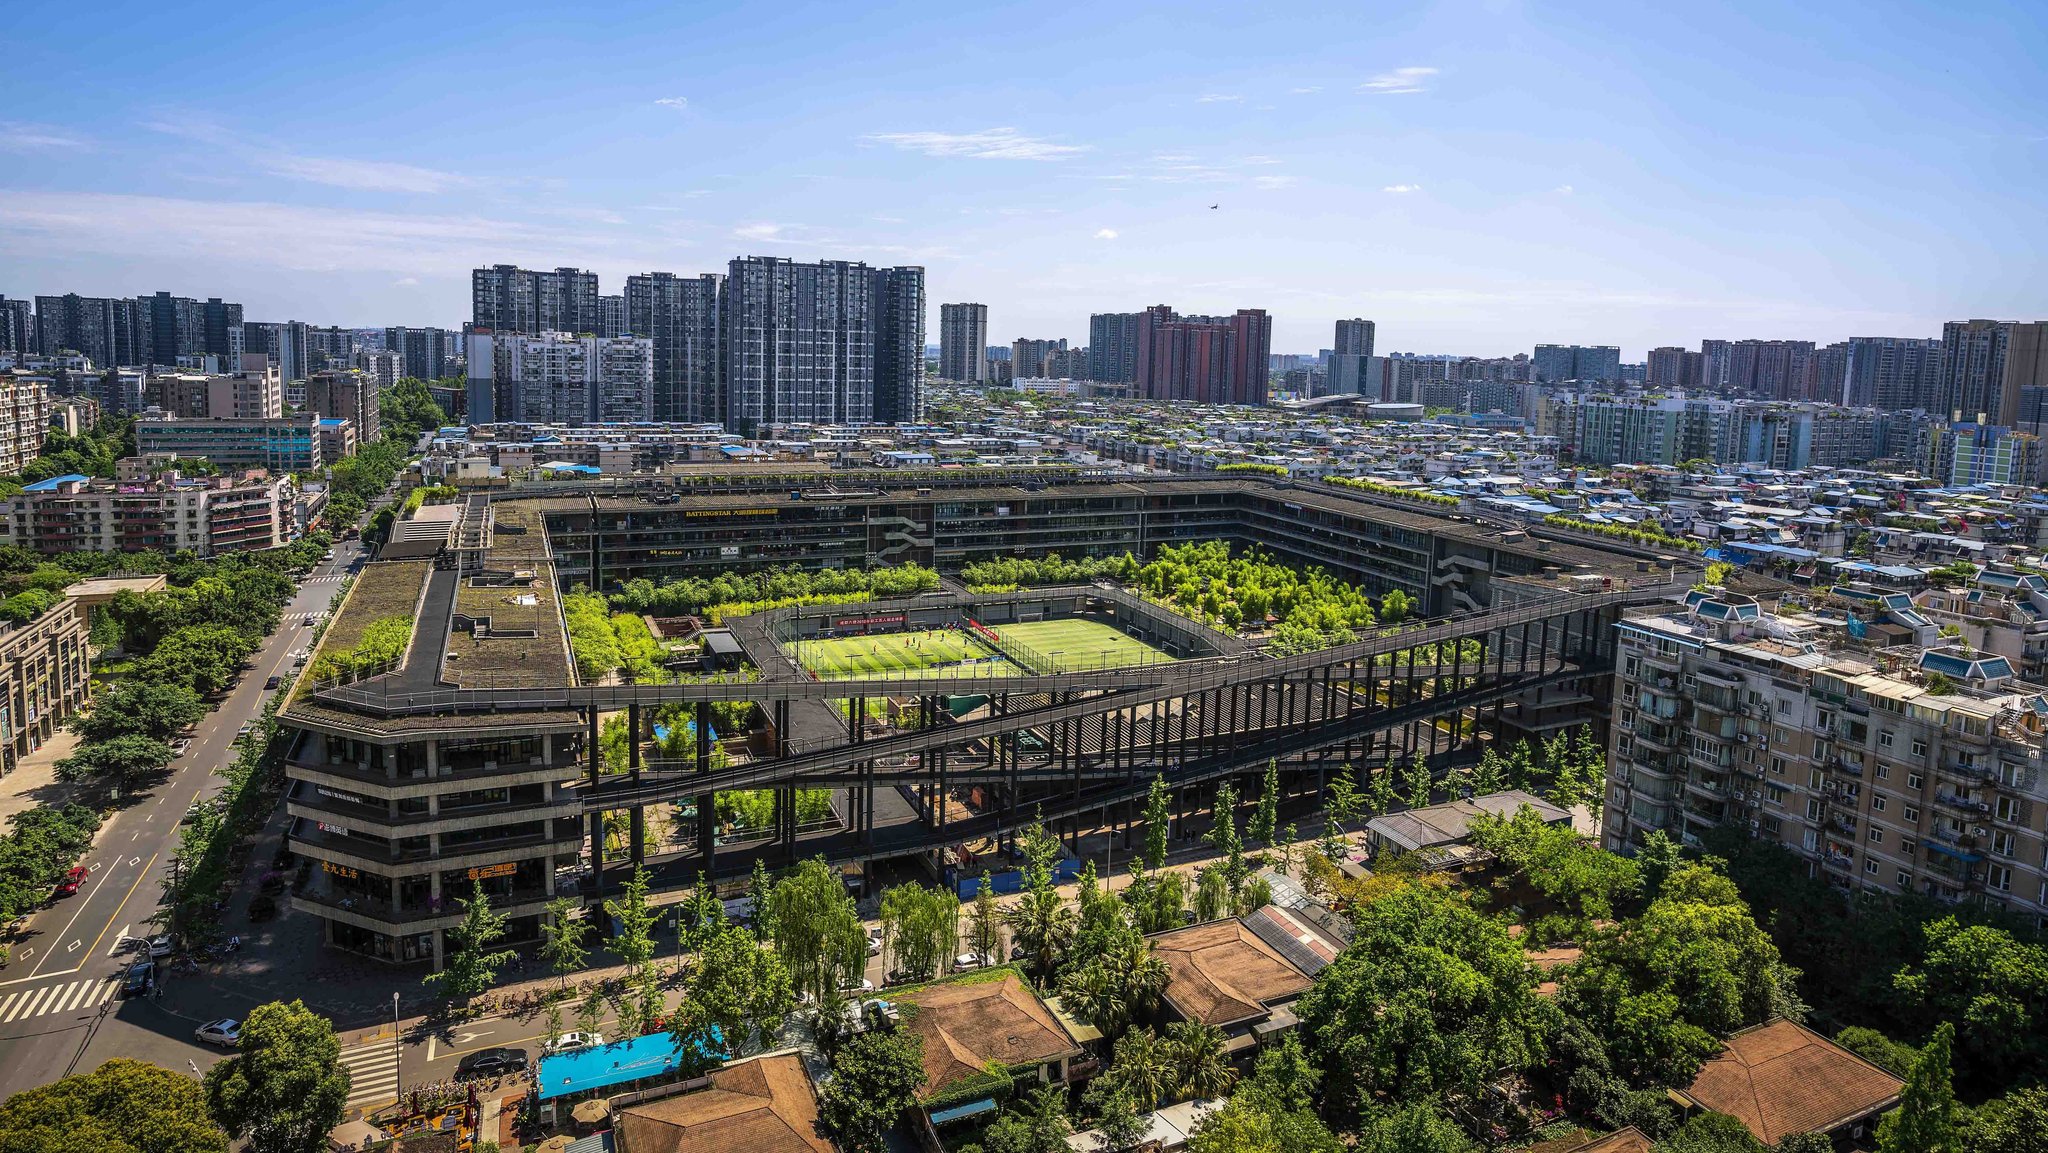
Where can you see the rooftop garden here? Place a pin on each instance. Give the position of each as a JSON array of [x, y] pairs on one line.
[[737, 594]]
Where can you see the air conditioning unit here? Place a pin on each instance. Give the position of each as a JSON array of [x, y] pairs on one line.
[[1762, 743], [1742, 738], [1979, 831]]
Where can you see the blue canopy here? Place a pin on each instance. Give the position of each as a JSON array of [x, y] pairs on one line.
[[603, 1066]]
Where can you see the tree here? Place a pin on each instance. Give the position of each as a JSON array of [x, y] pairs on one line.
[[635, 940], [561, 938], [203, 658], [1658, 855], [1805, 1143], [1284, 851], [138, 708], [1119, 1126], [1158, 823], [1040, 1127], [760, 915], [703, 916], [875, 1077], [1379, 790], [1266, 815], [470, 969], [1892, 1056], [285, 1087], [1712, 1133], [1993, 986], [1223, 835], [1418, 782], [922, 928], [1343, 803], [1119, 981], [124, 1106], [1212, 893], [1195, 1053], [816, 929], [1041, 922], [985, 922], [1928, 1119], [1141, 1065], [1491, 776], [122, 760], [1417, 1127], [2014, 1123], [1432, 996], [735, 987]]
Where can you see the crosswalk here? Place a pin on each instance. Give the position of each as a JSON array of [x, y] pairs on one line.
[[70, 997], [372, 1074], [326, 580]]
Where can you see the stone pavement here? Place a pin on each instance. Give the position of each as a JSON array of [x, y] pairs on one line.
[[33, 783]]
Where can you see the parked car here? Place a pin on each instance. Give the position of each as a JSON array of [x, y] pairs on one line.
[[972, 960], [242, 734], [160, 945], [491, 1063], [226, 1032], [180, 745], [139, 978], [272, 683], [570, 1042], [861, 986], [72, 879], [874, 942]]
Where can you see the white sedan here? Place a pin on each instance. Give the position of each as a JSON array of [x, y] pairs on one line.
[[570, 1042], [226, 1032]]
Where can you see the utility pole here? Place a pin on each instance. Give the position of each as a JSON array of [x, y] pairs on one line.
[[397, 1049]]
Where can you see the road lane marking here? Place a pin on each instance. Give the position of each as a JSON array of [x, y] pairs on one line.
[[119, 942], [8, 1001], [19, 1010], [77, 998], [107, 990]]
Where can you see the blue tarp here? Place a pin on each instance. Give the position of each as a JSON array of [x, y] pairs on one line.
[[618, 1063], [962, 1112], [51, 484]]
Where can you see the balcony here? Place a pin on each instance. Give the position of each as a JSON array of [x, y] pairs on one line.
[[1850, 765], [1960, 802], [1973, 770]]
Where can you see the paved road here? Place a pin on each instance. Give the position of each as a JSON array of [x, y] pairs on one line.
[[59, 996]]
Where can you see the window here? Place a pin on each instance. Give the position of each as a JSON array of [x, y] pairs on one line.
[[2001, 842], [1883, 773], [1813, 809], [1999, 877], [1813, 779], [1910, 814], [1778, 765], [2010, 775], [1776, 793], [1909, 846], [1870, 866], [1876, 835], [1884, 738], [1905, 879], [1919, 747], [1915, 780], [2008, 809], [1877, 802]]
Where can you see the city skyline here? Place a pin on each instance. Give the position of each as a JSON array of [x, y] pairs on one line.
[[1656, 200]]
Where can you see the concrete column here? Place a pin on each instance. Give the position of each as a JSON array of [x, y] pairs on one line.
[[439, 956]]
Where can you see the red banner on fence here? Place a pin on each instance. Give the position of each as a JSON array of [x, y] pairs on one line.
[[983, 629]]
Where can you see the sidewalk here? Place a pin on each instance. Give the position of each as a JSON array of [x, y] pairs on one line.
[[33, 784]]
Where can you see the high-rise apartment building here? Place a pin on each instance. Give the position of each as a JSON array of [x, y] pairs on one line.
[[1354, 338], [17, 326], [1967, 453], [508, 299], [963, 335], [1113, 347], [330, 347], [350, 395], [611, 316], [179, 332], [799, 342], [218, 396], [1351, 360], [1891, 372], [424, 353], [1205, 359], [24, 421], [1672, 367], [1986, 363], [106, 329], [1556, 362], [564, 378], [899, 344], [1028, 356], [680, 314], [1764, 369]]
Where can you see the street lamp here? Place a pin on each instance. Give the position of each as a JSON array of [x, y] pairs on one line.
[[397, 1050]]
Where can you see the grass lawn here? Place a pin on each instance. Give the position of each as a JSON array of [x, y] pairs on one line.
[[885, 653], [1077, 644]]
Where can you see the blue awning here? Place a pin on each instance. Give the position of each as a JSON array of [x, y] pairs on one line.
[[1952, 851], [962, 1112], [618, 1063]]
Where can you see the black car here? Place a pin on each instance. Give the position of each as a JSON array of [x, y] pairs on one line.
[[139, 978], [272, 683], [491, 1063]]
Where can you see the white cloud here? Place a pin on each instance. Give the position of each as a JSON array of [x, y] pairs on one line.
[[16, 136], [1563, 190], [1217, 98], [1105, 234], [363, 175], [988, 144], [1399, 82], [1272, 181], [299, 239], [1402, 189], [679, 103], [762, 231], [1309, 90], [1259, 160], [406, 281]]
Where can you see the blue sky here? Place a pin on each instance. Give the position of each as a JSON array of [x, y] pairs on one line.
[[1475, 176]]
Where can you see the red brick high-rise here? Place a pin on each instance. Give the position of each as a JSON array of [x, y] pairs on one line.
[[1204, 359]]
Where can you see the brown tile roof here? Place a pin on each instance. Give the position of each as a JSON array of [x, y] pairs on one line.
[[765, 1105], [1781, 1078], [1222, 973], [965, 1025], [1629, 1140]]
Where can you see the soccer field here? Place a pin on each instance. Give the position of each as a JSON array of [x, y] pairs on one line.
[[1077, 644], [936, 652]]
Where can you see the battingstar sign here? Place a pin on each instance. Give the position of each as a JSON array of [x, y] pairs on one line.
[[866, 622]]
